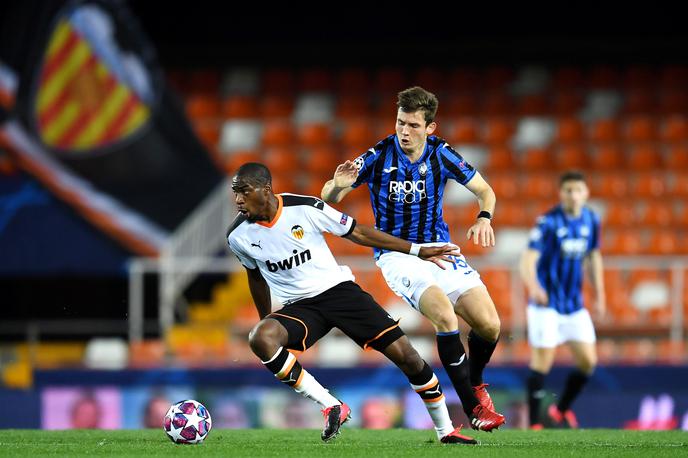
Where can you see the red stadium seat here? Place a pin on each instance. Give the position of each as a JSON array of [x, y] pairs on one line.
[[237, 158], [315, 134], [569, 130], [639, 102], [610, 185], [678, 184], [321, 161], [315, 80], [283, 162], [537, 159], [208, 132], [663, 242], [621, 213], [674, 77], [390, 80], [459, 105], [358, 133], [603, 77], [500, 158], [572, 156], [567, 79], [498, 78], [496, 103], [464, 130], [202, 106], [640, 129], [680, 215], [657, 213], [353, 106], [567, 103], [276, 106], [498, 131], [353, 81], [674, 101], [278, 133], [240, 106], [604, 130], [504, 185], [645, 157], [607, 157], [674, 129], [639, 77], [278, 82], [621, 242], [648, 185], [533, 105], [510, 213]]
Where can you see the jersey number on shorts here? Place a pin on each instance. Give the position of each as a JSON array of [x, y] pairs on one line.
[[458, 262]]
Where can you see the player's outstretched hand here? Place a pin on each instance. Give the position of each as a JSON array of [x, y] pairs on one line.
[[345, 174], [437, 254], [482, 233]]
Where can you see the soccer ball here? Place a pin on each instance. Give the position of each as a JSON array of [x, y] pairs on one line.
[[187, 422]]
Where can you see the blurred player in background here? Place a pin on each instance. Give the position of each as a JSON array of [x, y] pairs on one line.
[[564, 243], [406, 174], [279, 240]]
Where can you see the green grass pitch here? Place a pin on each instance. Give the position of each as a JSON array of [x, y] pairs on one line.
[[352, 442]]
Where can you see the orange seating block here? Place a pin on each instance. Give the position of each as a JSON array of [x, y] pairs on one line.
[[677, 157], [278, 81], [569, 130], [358, 133], [276, 106], [505, 185], [240, 106], [657, 213], [464, 130], [278, 133], [459, 105], [567, 79], [640, 129], [321, 161], [390, 79], [500, 158], [603, 77], [315, 80], [353, 81], [678, 184], [498, 131], [674, 129], [604, 130], [497, 103], [571, 156], [353, 106], [649, 185], [621, 242], [538, 186], [607, 157], [533, 105], [645, 157], [314, 134], [567, 103], [610, 185], [639, 101], [621, 213], [201, 106]]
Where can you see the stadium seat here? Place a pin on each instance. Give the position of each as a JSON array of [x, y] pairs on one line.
[[610, 185], [240, 106], [640, 128], [358, 133], [621, 213], [203, 107], [457, 105], [648, 185], [208, 132], [637, 351], [321, 161], [276, 106], [677, 183], [315, 134], [567, 79], [674, 129], [672, 351], [496, 103], [680, 215], [674, 102], [498, 78], [645, 157], [431, 79], [657, 213], [677, 157], [498, 131], [604, 130], [621, 242], [533, 105], [538, 186], [278, 82], [571, 156], [500, 158], [639, 102], [567, 103], [505, 185], [537, 208], [283, 162], [205, 81], [463, 130], [510, 213], [315, 80], [602, 77], [353, 106], [606, 157], [234, 160], [639, 77], [674, 77], [464, 80], [569, 130], [353, 82], [147, 353], [278, 133], [390, 80]]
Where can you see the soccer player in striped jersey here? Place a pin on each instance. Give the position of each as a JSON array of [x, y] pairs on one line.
[[279, 240], [564, 242], [406, 174]]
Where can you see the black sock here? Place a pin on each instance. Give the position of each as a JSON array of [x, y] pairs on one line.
[[480, 352], [426, 384], [574, 384], [536, 382], [285, 367], [455, 362]]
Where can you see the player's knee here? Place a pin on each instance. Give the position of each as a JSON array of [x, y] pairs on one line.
[[445, 321], [588, 365], [490, 329], [265, 337]]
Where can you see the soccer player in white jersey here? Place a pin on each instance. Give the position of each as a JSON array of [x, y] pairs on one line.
[[406, 174], [279, 240]]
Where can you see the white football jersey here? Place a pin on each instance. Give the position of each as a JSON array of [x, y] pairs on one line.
[[290, 250]]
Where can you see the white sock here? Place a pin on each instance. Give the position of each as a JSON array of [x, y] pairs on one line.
[[440, 417], [310, 388]]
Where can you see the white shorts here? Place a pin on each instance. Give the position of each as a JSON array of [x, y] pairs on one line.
[[548, 328], [409, 276]]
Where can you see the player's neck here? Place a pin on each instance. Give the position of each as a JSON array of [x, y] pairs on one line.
[[572, 212], [414, 155], [271, 207]]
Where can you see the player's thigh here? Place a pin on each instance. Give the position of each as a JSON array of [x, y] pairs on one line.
[[303, 323], [435, 305], [543, 327], [476, 307], [408, 276], [361, 318]]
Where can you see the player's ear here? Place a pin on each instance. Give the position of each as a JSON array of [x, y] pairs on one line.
[[431, 128]]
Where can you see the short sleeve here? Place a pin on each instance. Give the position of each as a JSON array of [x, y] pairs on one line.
[[455, 166], [245, 260], [365, 164], [328, 219], [537, 236]]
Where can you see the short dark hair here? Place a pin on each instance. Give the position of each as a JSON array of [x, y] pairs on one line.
[[416, 98], [254, 173], [571, 175]]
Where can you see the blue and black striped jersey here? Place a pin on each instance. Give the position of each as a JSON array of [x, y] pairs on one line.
[[563, 242], [407, 197]]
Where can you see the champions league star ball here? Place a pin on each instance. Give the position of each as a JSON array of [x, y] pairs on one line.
[[187, 422]]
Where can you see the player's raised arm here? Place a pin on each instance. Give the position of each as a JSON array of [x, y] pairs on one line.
[[369, 236], [260, 292], [340, 185], [482, 232]]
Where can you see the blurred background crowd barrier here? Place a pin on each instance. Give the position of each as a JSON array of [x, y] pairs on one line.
[[118, 293]]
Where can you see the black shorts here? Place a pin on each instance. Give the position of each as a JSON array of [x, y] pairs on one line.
[[346, 307]]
